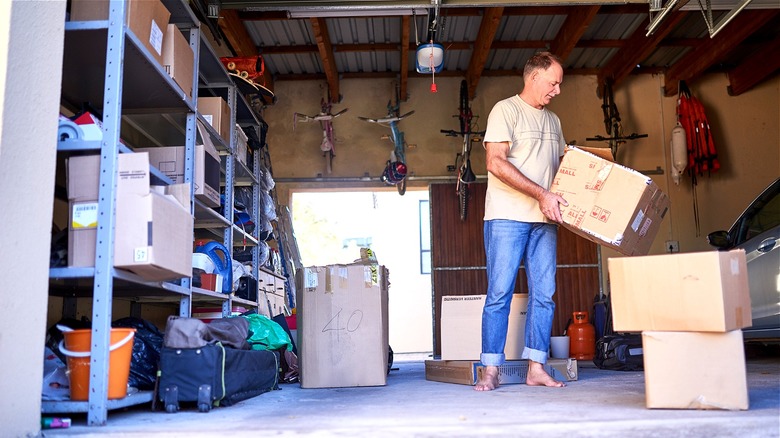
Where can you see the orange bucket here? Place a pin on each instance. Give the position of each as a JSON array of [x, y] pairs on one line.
[[77, 348]]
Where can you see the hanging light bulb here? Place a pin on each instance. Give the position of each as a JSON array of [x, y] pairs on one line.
[[679, 152]]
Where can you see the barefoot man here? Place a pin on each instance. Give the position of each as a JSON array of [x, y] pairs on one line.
[[524, 143]]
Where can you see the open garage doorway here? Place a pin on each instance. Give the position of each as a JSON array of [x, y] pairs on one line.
[[331, 227]]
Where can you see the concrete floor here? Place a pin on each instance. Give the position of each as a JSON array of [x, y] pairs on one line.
[[599, 404]]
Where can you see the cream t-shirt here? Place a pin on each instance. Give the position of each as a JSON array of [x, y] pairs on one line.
[[536, 145]]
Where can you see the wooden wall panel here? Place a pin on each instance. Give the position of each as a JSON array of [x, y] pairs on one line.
[[458, 259]]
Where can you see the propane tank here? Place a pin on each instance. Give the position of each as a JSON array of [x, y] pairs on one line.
[[582, 337], [679, 152]]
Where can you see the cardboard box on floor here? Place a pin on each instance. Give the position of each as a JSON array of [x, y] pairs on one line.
[[461, 327], [206, 175], [178, 58], [343, 326], [690, 370], [153, 229], [609, 204], [466, 372], [147, 19], [699, 292]]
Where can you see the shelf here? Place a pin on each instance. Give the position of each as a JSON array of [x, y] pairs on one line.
[[79, 282], [146, 84], [68, 406]]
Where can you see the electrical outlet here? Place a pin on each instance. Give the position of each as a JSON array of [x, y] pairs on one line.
[[672, 246]]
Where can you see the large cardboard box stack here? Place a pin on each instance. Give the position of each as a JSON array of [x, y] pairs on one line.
[[609, 204], [206, 175], [153, 229], [512, 371], [461, 327], [147, 19], [690, 309], [343, 326]]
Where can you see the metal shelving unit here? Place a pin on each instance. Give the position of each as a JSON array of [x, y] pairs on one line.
[[105, 62]]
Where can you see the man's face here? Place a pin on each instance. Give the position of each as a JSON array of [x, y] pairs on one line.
[[546, 84]]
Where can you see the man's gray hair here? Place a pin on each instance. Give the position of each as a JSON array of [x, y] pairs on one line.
[[540, 61]]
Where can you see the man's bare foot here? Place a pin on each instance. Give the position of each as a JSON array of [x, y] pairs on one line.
[[489, 380], [537, 376]]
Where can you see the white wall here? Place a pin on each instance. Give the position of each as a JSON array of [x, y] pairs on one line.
[[31, 45]]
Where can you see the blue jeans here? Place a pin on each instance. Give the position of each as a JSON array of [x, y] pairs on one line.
[[507, 243]]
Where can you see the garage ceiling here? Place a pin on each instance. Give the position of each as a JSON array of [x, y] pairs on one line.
[[317, 40]]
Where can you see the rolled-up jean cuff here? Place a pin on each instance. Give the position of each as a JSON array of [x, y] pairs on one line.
[[534, 355], [492, 359]]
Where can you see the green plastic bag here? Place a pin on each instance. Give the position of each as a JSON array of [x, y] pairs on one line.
[[265, 334]]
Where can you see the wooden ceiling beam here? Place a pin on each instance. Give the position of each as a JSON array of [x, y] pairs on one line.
[[712, 50], [321, 35], [637, 48], [479, 55], [755, 68], [577, 21], [403, 90]]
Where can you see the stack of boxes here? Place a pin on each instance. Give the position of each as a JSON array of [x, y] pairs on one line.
[[690, 309]]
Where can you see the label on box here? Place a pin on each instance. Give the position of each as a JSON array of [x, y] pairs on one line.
[[310, 279], [156, 38], [637, 220], [141, 254], [209, 118], [84, 216]]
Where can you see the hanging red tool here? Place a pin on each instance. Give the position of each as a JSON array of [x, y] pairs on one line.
[[702, 156]]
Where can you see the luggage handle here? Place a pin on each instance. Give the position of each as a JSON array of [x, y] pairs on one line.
[[69, 353]]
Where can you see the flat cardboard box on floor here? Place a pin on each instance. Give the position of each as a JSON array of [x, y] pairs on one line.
[[153, 229], [694, 370], [461, 327], [467, 372], [343, 326], [206, 174], [699, 292], [178, 58], [217, 112], [147, 19], [609, 204]]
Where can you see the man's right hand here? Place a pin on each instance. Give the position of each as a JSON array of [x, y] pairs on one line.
[[549, 203]]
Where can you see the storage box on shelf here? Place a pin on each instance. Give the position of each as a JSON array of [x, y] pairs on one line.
[[147, 19], [178, 58], [216, 111], [153, 225]]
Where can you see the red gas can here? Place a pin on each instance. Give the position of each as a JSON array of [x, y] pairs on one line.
[[582, 337]]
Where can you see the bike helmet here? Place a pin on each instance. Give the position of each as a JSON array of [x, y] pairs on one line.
[[394, 173]]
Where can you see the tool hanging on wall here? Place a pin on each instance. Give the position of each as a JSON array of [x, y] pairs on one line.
[[702, 156]]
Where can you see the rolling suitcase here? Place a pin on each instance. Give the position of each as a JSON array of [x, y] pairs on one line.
[[213, 375]]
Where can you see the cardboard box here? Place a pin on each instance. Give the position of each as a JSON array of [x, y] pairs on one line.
[[153, 229], [467, 372], [206, 176], [689, 370], [217, 112], [609, 204], [701, 292], [343, 326], [241, 145], [147, 19], [178, 58], [461, 327]]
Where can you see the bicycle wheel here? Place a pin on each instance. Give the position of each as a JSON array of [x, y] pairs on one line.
[[464, 109], [463, 199], [401, 186]]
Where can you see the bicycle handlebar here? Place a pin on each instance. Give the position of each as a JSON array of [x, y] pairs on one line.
[[627, 137], [454, 133]]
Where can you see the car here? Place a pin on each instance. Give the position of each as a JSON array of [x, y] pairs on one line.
[[757, 231]]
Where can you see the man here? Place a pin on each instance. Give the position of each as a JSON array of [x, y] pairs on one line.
[[524, 143]]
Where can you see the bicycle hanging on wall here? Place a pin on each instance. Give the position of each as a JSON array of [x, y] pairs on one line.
[[396, 169], [612, 123], [328, 144], [468, 131]]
